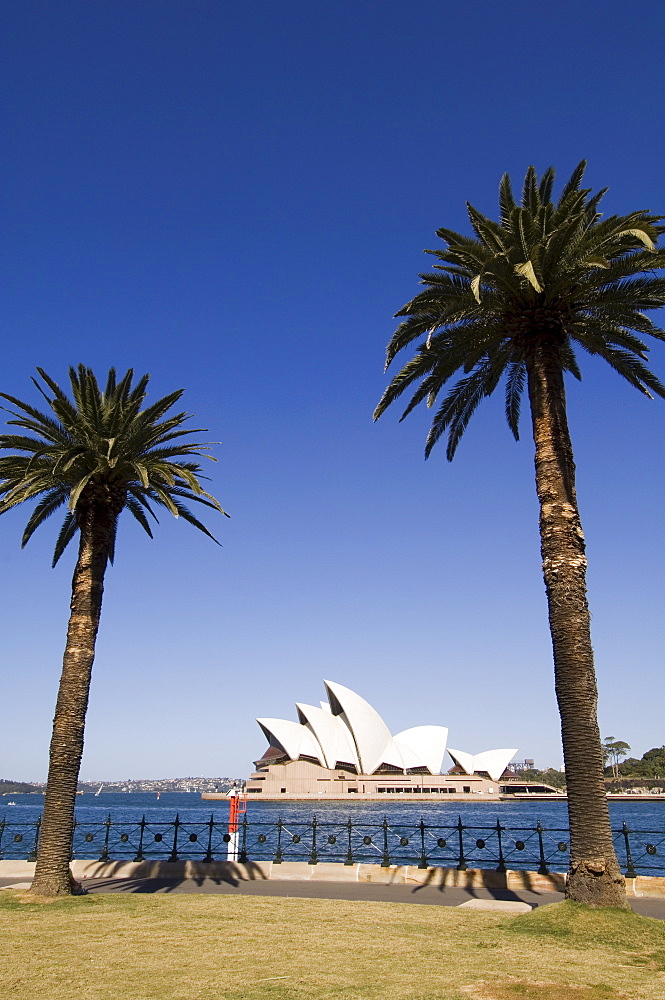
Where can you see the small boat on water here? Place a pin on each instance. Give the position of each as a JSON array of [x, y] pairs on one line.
[[12, 803]]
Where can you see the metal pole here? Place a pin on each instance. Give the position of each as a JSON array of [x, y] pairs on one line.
[[502, 862], [243, 849], [314, 860], [32, 856], [104, 856], [386, 856], [461, 864], [211, 823], [349, 853], [279, 857], [139, 853], [423, 855], [543, 869], [630, 871], [174, 852]]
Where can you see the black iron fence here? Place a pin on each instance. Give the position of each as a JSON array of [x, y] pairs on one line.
[[640, 852]]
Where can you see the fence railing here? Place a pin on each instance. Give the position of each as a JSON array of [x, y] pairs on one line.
[[640, 852]]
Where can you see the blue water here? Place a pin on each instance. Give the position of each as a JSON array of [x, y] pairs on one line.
[[128, 807], [112, 823]]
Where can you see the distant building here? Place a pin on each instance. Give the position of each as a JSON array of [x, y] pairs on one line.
[[522, 765], [343, 747]]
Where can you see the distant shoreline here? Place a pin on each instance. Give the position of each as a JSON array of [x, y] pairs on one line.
[[417, 800]]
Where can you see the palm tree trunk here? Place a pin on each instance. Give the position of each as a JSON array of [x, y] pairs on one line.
[[52, 873], [594, 876]]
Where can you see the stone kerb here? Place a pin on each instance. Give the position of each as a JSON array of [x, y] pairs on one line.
[[647, 886]]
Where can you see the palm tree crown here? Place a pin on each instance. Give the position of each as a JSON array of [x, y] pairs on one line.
[[554, 272], [100, 447]]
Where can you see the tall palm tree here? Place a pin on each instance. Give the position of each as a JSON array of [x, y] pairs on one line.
[[515, 301], [99, 453]]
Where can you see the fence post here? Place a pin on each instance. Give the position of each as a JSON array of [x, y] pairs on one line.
[[630, 870], [32, 856], [349, 853], [208, 856], [461, 864], [279, 857], [386, 855], [242, 858], [139, 853], [502, 860], [104, 856], [174, 850], [423, 854], [543, 869], [2, 830], [314, 859]]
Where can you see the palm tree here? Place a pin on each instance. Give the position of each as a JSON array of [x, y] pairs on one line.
[[515, 301], [99, 453]]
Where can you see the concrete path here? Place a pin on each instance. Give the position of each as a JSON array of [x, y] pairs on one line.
[[384, 893]]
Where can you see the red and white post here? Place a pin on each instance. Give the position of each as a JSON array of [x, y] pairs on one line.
[[237, 808]]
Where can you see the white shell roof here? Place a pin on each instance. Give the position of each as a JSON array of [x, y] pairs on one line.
[[294, 739], [332, 733], [348, 730], [494, 762], [371, 734], [424, 744]]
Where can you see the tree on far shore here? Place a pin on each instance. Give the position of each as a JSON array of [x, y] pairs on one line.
[[550, 776], [651, 766], [613, 751], [514, 302], [99, 453]]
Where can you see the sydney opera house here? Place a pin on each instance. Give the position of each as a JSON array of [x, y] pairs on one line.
[[343, 747]]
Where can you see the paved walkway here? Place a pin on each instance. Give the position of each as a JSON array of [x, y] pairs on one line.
[[420, 894]]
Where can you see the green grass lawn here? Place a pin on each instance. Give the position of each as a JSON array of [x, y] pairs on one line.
[[184, 947]]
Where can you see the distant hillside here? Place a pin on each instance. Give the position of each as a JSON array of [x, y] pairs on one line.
[[141, 785], [18, 786]]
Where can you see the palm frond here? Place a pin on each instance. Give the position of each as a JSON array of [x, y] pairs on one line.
[[100, 448], [136, 510], [49, 503], [67, 532], [550, 273], [515, 381]]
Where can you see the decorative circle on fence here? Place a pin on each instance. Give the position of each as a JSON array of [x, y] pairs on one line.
[[296, 838], [158, 838], [367, 841], [332, 839], [651, 849], [227, 838], [563, 846], [124, 837], [519, 844], [480, 844], [441, 842], [193, 838], [404, 841], [89, 837], [18, 837], [262, 838]]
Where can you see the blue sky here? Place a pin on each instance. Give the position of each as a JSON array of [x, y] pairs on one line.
[[235, 198]]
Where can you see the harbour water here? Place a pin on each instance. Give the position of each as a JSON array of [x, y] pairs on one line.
[[179, 826], [124, 807]]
